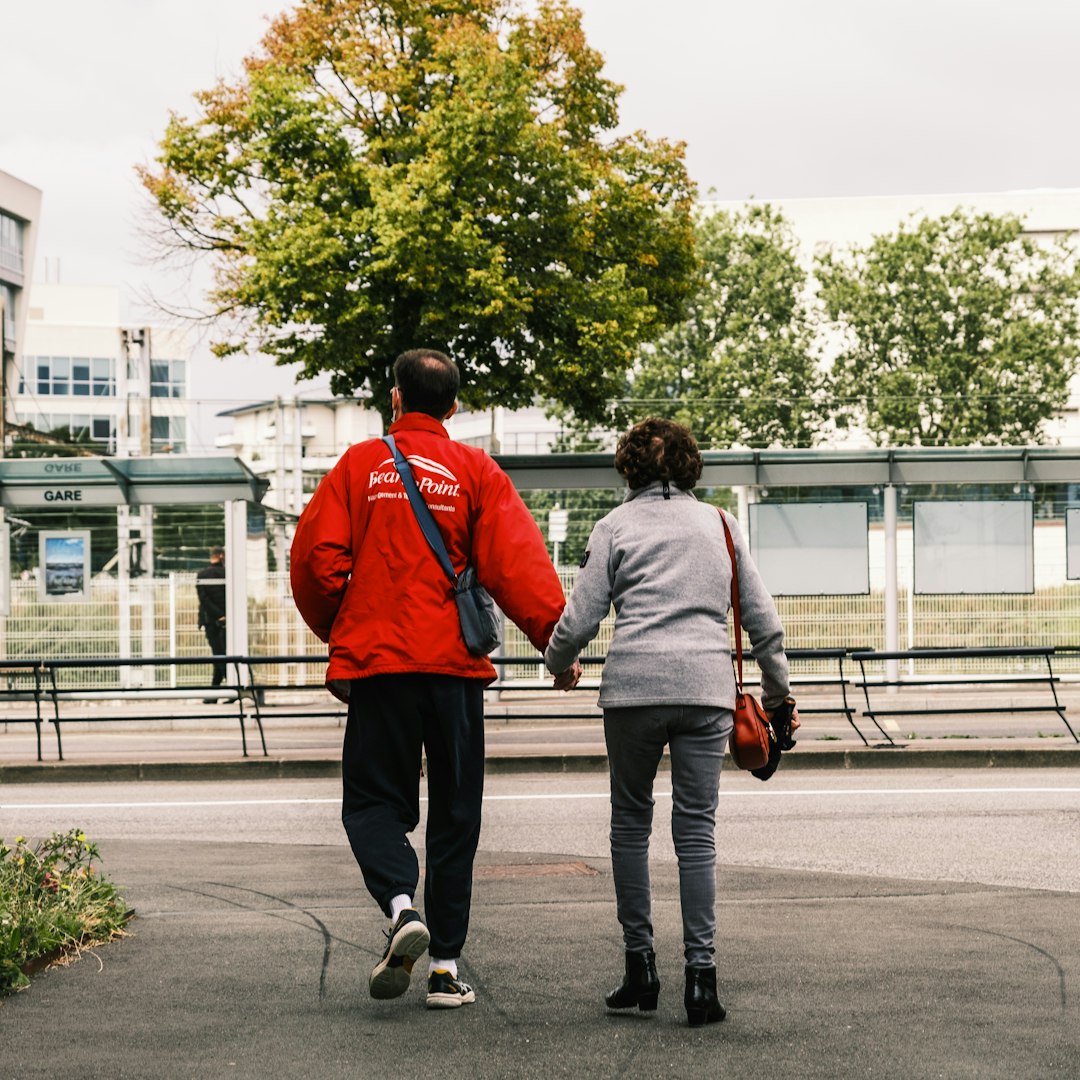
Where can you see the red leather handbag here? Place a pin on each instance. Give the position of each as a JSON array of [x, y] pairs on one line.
[[752, 737]]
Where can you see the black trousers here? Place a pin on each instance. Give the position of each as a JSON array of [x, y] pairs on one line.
[[391, 719], [215, 637]]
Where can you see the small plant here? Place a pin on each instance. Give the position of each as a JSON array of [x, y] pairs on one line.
[[53, 901], [828, 738]]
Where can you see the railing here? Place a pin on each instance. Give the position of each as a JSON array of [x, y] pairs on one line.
[[1039, 673], [50, 684]]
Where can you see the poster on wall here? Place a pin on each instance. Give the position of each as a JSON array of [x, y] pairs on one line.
[[974, 547], [811, 549], [64, 565]]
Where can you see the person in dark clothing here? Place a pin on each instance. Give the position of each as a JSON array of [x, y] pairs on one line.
[[210, 588]]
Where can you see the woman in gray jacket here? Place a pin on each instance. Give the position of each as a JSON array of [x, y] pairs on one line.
[[661, 559]]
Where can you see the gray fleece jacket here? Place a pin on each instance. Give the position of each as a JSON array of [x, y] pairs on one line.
[[663, 563]]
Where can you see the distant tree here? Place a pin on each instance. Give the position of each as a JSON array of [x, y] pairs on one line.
[[955, 330], [740, 368], [390, 173], [584, 506]]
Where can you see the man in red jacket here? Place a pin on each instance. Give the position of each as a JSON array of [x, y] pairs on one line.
[[367, 583]]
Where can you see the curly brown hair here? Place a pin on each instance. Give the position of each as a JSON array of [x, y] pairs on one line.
[[657, 449]]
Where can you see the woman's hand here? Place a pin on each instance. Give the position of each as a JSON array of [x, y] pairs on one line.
[[568, 679]]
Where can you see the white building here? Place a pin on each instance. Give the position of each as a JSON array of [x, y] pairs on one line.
[[122, 388], [294, 442], [20, 206]]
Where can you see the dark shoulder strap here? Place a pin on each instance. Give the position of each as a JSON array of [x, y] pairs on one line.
[[420, 509], [734, 596]]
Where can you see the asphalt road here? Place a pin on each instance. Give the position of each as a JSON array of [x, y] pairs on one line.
[[1006, 827]]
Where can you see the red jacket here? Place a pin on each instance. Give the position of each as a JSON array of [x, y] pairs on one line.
[[365, 580]]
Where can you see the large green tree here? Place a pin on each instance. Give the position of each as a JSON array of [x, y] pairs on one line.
[[954, 331], [393, 173], [740, 368]]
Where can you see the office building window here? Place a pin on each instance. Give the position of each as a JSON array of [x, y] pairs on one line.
[[11, 243], [168, 378], [167, 434], [63, 376], [7, 299], [100, 431]]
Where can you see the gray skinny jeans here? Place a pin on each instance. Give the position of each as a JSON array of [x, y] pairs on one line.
[[635, 739]]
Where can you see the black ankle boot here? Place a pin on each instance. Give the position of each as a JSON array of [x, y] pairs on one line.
[[640, 985], [701, 1004]]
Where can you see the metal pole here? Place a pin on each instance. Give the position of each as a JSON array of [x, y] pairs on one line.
[[172, 627], [123, 592], [236, 623], [892, 597]]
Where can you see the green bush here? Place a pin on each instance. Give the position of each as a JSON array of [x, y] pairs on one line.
[[53, 901]]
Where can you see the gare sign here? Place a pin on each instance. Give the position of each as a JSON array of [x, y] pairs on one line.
[[62, 496]]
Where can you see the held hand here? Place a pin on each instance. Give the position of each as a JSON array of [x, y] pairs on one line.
[[784, 720], [568, 679]]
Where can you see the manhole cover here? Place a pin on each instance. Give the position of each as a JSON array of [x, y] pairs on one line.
[[516, 870]]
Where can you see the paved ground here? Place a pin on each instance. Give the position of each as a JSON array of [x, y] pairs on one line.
[[249, 959], [245, 961]]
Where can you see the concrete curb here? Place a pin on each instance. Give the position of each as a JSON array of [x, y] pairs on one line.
[[861, 758]]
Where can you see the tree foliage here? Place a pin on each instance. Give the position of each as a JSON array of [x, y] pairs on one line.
[[394, 173], [959, 330], [740, 367]]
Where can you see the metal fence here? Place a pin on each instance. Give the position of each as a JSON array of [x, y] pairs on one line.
[[162, 621]]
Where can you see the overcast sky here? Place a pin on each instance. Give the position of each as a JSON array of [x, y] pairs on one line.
[[774, 98]]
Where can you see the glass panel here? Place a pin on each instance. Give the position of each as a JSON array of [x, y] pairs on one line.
[[101, 427], [61, 367], [104, 379], [80, 377]]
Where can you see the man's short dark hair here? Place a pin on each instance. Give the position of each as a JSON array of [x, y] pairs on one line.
[[216, 552], [657, 449], [427, 381]]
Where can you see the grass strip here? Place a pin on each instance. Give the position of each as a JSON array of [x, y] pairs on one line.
[[54, 902]]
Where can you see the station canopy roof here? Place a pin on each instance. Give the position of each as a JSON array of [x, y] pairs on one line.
[[820, 467], [164, 480]]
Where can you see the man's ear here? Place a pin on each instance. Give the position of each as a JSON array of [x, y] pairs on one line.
[[395, 403], [453, 409]]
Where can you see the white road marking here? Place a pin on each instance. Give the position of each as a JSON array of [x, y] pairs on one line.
[[774, 793]]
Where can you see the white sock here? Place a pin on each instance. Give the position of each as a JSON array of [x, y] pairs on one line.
[[401, 902], [443, 965]]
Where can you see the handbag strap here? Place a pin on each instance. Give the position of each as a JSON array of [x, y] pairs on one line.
[[420, 508], [734, 598]]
